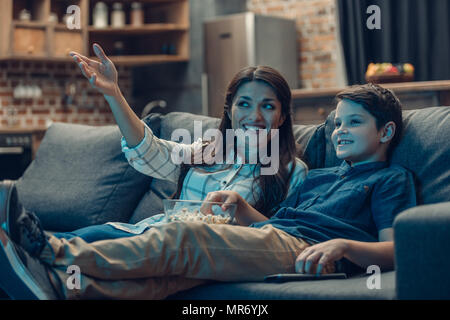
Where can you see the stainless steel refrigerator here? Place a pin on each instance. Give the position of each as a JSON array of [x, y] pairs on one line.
[[246, 39]]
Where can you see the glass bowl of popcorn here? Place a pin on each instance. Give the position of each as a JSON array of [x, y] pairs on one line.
[[198, 211]]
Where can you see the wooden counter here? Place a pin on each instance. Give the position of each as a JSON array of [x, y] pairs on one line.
[[443, 85], [36, 133], [311, 106], [20, 129]]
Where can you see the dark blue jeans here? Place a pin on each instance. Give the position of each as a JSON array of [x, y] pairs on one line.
[[95, 233]]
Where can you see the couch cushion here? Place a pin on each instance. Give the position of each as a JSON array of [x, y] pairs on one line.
[[424, 149], [312, 143], [151, 202], [352, 288], [80, 177]]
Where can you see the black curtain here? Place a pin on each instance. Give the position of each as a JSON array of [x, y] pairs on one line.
[[414, 31]]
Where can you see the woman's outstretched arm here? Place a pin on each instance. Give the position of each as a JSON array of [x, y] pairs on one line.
[[103, 77]]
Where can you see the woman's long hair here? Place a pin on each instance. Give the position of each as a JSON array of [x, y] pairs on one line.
[[274, 187]]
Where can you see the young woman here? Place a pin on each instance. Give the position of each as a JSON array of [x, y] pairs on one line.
[[257, 98]]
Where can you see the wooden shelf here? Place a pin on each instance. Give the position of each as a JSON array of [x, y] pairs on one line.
[[42, 25], [146, 59], [118, 60], [29, 24], [145, 29], [163, 38], [34, 58], [63, 27], [166, 26]]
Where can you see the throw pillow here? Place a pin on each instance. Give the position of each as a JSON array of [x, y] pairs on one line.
[[80, 177]]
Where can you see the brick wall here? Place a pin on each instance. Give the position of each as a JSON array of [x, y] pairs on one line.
[[319, 60], [88, 107]]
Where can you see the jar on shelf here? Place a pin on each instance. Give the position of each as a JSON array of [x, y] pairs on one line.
[[119, 48], [117, 16], [137, 14], [100, 17], [24, 15], [53, 17], [68, 19]]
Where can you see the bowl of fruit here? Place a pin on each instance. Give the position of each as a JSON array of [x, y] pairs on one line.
[[389, 72], [198, 211]]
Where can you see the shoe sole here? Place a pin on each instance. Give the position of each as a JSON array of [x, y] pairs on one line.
[[4, 220], [15, 279]]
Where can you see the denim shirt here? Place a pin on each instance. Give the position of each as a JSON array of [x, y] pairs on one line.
[[352, 202]]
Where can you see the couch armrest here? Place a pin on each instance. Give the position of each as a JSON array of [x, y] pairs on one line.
[[422, 244]]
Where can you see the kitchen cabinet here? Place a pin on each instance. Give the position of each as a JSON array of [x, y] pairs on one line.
[[163, 37]]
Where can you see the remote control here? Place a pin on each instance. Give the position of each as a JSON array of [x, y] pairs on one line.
[[284, 277]]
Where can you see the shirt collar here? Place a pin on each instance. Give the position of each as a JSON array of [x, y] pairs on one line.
[[346, 167]]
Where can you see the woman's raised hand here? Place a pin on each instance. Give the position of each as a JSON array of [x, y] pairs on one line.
[[101, 75]]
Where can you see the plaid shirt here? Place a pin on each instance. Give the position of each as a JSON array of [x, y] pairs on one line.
[[152, 156]]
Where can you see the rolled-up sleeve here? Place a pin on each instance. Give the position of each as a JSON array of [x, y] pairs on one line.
[[155, 157]]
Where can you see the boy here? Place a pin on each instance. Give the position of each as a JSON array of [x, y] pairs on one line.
[[338, 215]]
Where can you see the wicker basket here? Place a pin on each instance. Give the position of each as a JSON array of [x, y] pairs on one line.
[[390, 78]]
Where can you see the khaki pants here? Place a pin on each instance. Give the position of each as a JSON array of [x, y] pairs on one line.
[[172, 257]]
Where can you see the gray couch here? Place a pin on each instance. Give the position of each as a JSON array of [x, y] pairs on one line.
[[80, 178]]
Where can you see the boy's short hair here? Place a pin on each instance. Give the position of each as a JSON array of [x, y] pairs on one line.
[[381, 103]]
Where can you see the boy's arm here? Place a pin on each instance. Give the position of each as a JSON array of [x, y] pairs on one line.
[[314, 258], [380, 253], [395, 194]]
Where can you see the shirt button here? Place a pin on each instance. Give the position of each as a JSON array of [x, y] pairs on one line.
[[342, 177], [224, 182]]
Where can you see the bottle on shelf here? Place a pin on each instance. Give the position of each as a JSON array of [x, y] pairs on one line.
[[117, 16], [100, 17], [119, 48], [137, 14]]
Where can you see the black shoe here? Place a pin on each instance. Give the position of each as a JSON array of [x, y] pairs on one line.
[[22, 226], [27, 231], [10, 207], [23, 277]]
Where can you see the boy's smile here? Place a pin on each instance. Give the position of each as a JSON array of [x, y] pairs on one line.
[[356, 137]]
